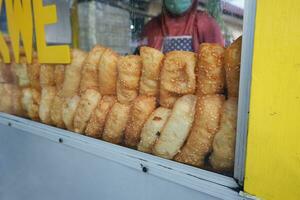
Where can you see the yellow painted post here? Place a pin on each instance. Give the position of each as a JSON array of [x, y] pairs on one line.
[[273, 150]]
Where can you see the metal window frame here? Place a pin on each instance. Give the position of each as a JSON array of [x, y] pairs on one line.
[[201, 180], [244, 90]]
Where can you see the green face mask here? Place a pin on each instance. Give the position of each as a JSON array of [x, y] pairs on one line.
[[178, 7]]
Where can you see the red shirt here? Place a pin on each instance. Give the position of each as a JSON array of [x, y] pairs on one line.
[[198, 24]]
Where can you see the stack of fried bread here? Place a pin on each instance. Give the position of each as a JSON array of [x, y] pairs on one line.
[[180, 106]]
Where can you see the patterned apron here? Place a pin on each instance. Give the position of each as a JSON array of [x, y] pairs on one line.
[[173, 43]]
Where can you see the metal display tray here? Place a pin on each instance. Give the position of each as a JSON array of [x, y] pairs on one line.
[[34, 153]]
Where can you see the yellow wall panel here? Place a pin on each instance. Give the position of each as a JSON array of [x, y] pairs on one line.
[[273, 151]]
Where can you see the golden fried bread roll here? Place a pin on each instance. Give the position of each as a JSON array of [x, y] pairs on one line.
[[10, 101], [167, 99], [47, 75], [3, 70], [222, 157], [152, 61], [178, 72], [87, 104], [30, 102], [232, 63], [5, 100], [20, 69], [107, 70], [177, 127], [152, 129], [33, 71], [89, 79], [129, 72], [59, 73], [141, 109], [56, 110], [96, 124], [211, 73], [47, 96], [7, 73], [68, 111], [73, 73], [206, 125], [16, 96], [125, 95], [116, 123]]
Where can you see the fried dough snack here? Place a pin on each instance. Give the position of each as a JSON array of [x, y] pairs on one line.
[[2, 71], [96, 124], [178, 72], [211, 74], [59, 73], [16, 96], [152, 129], [125, 95], [30, 102], [141, 109], [7, 73], [107, 70], [68, 111], [232, 65], [73, 74], [47, 96], [56, 110], [10, 101], [20, 69], [47, 75], [206, 125], [167, 99], [129, 72], [6, 100], [33, 71], [116, 123], [87, 104], [152, 61], [177, 127], [222, 157], [89, 79]]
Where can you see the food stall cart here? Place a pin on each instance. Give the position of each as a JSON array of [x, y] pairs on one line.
[[39, 161]]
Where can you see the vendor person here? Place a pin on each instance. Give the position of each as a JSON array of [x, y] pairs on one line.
[[181, 26]]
